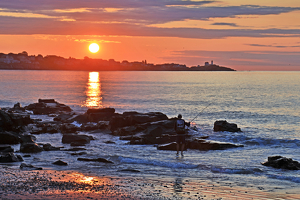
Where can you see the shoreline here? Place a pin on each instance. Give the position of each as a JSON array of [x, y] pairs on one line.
[[55, 184]]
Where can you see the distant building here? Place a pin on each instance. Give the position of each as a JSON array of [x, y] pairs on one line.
[[206, 64], [212, 62]]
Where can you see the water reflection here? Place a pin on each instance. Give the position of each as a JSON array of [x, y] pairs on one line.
[[93, 91]]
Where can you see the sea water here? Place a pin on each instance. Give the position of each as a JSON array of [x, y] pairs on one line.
[[265, 105]]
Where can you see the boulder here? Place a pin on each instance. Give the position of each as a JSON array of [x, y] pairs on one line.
[[29, 166], [30, 148], [64, 117], [280, 162], [223, 125], [6, 148], [27, 138], [69, 128], [134, 118], [47, 106], [59, 162], [94, 160], [10, 157], [9, 138], [73, 138], [170, 146], [49, 147], [204, 145], [100, 114], [13, 122]]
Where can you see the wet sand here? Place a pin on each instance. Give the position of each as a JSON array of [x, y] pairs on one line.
[[52, 184]]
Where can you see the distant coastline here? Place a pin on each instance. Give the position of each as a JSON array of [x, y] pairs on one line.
[[23, 61]]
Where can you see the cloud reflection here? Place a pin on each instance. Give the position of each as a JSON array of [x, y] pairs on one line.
[[93, 91]]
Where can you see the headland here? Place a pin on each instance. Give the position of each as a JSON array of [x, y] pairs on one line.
[[23, 61]]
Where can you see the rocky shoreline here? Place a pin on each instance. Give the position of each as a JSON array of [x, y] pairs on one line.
[[153, 128]]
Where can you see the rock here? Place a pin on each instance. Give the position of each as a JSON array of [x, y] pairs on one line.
[[130, 170], [69, 128], [49, 147], [208, 145], [9, 138], [27, 138], [134, 118], [94, 160], [73, 138], [223, 125], [13, 122], [78, 154], [30, 148], [17, 108], [101, 114], [29, 166], [109, 142], [280, 162], [10, 157], [6, 148], [75, 149], [61, 163], [64, 117], [47, 106]]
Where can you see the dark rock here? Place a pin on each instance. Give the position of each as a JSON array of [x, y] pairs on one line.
[[13, 122], [6, 148], [47, 106], [64, 117], [101, 114], [29, 166], [10, 157], [69, 128], [61, 163], [78, 154], [280, 162], [223, 125], [109, 142], [30, 148], [94, 160], [17, 108], [73, 138], [75, 144], [130, 170], [134, 118], [9, 138], [26, 156], [27, 139], [208, 145], [49, 147]]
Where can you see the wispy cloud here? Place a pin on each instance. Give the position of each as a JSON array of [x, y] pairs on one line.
[[225, 24]]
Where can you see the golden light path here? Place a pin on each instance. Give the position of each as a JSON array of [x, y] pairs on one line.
[[93, 91]]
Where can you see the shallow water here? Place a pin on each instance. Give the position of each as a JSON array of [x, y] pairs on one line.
[[265, 105]]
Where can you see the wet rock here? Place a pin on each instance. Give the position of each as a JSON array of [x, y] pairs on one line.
[[10, 157], [78, 154], [208, 145], [6, 148], [101, 114], [9, 138], [280, 162], [75, 149], [47, 106], [64, 117], [109, 142], [27, 138], [13, 122], [30, 148], [79, 139], [61, 163], [69, 128], [130, 170], [134, 118], [94, 160], [223, 125], [49, 147], [29, 166]]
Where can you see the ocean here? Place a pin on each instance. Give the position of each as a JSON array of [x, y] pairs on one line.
[[265, 105]]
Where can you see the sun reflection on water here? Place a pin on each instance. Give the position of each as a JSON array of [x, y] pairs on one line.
[[93, 91]]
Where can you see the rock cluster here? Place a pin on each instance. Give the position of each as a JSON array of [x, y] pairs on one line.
[[280, 162]]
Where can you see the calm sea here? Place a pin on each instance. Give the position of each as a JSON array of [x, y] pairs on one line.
[[265, 105]]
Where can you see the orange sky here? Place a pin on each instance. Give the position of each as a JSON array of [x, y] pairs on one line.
[[254, 35]]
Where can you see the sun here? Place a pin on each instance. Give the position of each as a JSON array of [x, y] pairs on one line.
[[94, 47]]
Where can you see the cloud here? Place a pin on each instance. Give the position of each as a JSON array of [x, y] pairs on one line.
[[225, 24], [276, 46]]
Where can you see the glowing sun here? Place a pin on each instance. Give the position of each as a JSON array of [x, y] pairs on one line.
[[94, 48]]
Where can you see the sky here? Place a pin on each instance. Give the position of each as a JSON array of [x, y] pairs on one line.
[[246, 35]]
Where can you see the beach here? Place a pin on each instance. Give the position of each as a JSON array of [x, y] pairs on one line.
[[54, 184]]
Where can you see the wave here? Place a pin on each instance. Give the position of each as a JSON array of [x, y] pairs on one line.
[[178, 165], [284, 178], [235, 171]]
